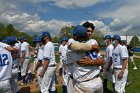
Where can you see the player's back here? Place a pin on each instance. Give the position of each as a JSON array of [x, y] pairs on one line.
[[5, 64], [25, 47]]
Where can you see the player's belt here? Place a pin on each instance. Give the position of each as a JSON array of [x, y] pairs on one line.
[[53, 65], [26, 57], [91, 78], [117, 68], [14, 67]]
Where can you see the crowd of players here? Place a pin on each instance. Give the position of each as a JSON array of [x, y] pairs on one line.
[[81, 64]]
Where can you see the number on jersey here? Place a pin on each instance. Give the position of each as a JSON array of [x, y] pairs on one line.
[[4, 60]]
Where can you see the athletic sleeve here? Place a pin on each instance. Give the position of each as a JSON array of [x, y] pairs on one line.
[[47, 51], [123, 53]]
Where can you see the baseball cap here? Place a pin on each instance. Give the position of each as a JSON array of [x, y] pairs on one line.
[[116, 37], [107, 37], [80, 31], [11, 40], [65, 39], [23, 38], [43, 34], [37, 39]]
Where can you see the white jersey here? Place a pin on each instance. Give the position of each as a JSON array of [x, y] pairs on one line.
[[119, 53], [108, 53], [60, 50], [49, 53], [88, 72], [5, 64], [3, 45], [25, 47], [40, 53]]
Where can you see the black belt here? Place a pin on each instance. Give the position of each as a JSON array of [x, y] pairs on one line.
[[26, 57], [118, 68], [92, 78], [52, 65]]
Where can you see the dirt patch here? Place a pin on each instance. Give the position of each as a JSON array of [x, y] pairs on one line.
[[34, 86]]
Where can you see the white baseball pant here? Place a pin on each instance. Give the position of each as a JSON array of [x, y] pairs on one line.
[[5, 86], [25, 67], [108, 74], [91, 86], [120, 83], [14, 80], [48, 80]]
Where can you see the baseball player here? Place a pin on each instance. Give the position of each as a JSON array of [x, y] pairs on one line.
[[120, 63], [61, 63], [11, 41], [131, 57], [86, 71], [64, 51], [108, 67], [5, 70], [49, 65], [39, 65], [25, 58]]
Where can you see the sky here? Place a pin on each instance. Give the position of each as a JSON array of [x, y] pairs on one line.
[[35, 16]]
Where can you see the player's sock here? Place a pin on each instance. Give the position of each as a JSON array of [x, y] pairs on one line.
[[19, 76], [64, 89], [52, 92], [60, 71], [105, 83], [113, 84], [24, 79], [30, 78]]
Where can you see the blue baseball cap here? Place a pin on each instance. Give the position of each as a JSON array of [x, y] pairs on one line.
[[65, 39], [11, 40], [107, 37], [37, 39], [23, 38], [116, 37], [43, 34], [80, 31], [59, 41]]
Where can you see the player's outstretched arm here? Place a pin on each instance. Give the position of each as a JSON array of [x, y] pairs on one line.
[[76, 46], [91, 62]]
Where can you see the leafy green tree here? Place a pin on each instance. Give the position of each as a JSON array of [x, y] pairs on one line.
[[10, 29], [134, 41]]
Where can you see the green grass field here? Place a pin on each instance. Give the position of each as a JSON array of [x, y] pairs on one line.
[[134, 77]]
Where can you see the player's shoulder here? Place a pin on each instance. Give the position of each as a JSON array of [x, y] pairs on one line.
[[3, 50], [110, 46], [70, 41], [92, 41], [49, 44]]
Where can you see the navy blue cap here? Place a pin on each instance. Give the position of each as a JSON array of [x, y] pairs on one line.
[[107, 37], [80, 31], [116, 37], [43, 34], [65, 39], [4, 41], [37, 39], [11, 39], [23, 38]]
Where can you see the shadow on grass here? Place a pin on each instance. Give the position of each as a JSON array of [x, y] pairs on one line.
[[25, 90], [108, 91]]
